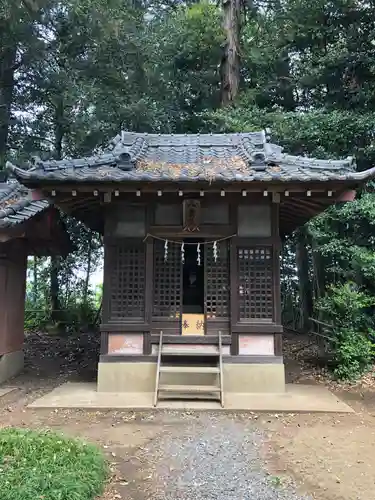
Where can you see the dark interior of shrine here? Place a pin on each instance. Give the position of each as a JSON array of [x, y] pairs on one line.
[[193, 277]]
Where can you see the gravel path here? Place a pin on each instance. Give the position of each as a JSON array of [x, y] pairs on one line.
[[213, 458]]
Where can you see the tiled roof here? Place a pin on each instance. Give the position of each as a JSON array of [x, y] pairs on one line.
[[191, 157], [16, 204]]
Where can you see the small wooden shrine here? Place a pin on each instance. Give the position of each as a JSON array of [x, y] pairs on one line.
[[29, 225], [192, 228]]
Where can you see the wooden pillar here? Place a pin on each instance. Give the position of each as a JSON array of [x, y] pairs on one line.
[[233, 295], [13, 264], [278, 337]]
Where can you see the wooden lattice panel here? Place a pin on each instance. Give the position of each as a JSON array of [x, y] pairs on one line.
[[128, 281], [255, 288], [217, 281], [167, 281]]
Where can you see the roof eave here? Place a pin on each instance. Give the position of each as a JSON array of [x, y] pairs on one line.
[[32, 178], [365, 175], [19, 173]]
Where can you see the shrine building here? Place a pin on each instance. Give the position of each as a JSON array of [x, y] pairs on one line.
[[192, 228]]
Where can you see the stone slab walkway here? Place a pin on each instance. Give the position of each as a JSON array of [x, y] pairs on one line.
[[297, 398]]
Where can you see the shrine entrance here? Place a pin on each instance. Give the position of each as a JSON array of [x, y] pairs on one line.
[[193, 288]]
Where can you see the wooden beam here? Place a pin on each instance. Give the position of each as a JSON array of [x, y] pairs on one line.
[[172, 187], [304, 207], [275, 197]]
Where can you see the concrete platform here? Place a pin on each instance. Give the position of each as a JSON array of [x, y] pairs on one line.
[[6, 390], [297, 398]]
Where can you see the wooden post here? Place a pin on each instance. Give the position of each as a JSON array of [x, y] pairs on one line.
[[278, 337], [13, 263]]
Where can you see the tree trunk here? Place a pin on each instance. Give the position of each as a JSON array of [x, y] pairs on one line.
[[319, 275], [305, 289], [55, 288], [58, 129], [35, 280], [230, 63], [7, 82], [284, 77], [88, 269], [55, 261], [283, 74]]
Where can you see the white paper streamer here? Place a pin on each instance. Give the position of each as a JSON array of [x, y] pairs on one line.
[[166, 251], [215, 251]]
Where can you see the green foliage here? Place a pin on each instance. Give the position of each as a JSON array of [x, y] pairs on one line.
[[344, 237], [345, 306], [82, 314], [320, 133], [276, 481], [182, 65], [79, 300], [48, 465], [37, 315], [354, 353], [348, 309]]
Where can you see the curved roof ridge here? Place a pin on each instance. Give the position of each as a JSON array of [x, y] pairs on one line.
[[16, 204], [315, 163], [235, 157], [9, 189]]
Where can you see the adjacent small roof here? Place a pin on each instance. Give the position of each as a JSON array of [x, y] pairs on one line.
[[191, 157], [17, 205]]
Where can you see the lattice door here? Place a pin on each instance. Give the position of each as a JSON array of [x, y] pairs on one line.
[[167, 283], [217, 287], [127, 281], [255, 287]]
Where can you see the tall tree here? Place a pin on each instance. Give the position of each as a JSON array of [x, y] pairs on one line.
[[19, 46], [230, 63], [305, 288]]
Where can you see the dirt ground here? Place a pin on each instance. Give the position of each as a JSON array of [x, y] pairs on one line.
[[330, 457]]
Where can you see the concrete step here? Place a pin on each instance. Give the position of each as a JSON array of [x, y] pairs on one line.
[[190, 396], [189, 388], [189, 369], [185, 351]]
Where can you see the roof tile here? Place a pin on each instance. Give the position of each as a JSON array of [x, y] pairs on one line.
[[187, 157], [16, 204]]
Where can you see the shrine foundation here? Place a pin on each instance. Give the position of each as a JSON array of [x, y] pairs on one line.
[[237, 377]]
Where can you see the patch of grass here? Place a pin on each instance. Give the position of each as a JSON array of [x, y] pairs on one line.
[[276, 481], [48, 466]]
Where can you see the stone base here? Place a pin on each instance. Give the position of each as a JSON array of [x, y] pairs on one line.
[[10, 365], [237, 377], [254, 377]]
